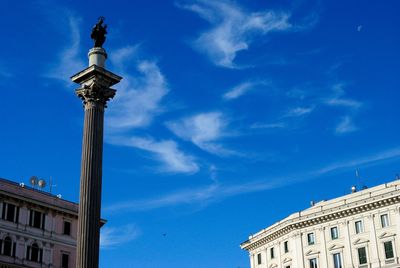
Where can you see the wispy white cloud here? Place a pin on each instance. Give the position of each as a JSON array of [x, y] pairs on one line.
[[204, 130], [139, 97], [200, 196], [299, 111], [114, 236], [119, 57], [337, 99], [214, 192], [241, 89], [138, 101], [334, 97], [233, 28], [166, 151], [191, 196], [371, 159], [268, 126], [344, 102], [4, 72], [346, 125], [69, 61]]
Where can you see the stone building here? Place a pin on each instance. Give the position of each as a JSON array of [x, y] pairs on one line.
[[360, 230], [37, 229]]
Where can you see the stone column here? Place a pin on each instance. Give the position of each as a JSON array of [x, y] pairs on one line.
[[95, 91]]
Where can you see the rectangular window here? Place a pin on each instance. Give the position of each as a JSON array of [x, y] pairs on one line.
[[313, 263], [389, 254], [311, 238], [337, 260], [259, 258], [272, 253], [67, 228], [362, 256], [384, 220], [65, 261], [10, 212], [286, 246], [334, 233], [36, 219], [359, 227]]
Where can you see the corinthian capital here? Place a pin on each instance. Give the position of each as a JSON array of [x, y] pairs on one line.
[[95, 84], [95, 92]]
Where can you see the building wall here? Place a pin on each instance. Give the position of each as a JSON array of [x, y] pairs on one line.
[[366, 206], [50, 237]]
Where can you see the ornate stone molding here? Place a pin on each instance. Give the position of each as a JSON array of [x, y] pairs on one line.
[[335, 247], [95, 93], [360, 241]]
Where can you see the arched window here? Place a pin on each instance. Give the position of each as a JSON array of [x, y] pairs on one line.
[[7, 246], [34, 253]]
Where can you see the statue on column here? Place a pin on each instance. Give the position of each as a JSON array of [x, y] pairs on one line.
[[99, 33]]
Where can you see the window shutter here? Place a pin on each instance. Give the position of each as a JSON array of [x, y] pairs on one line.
[[14, 249], [28, 253], [30, 217], [17, 217], [3, 213], [43, 220]]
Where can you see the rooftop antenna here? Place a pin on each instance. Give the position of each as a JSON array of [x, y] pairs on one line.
[[360, 182], [358, 176], [41, 184], [34, 181], [51, 185]]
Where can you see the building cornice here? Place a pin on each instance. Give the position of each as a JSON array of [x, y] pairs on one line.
[[36, 203], [322, 216]]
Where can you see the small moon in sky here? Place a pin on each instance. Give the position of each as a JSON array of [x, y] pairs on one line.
[[359, 28]]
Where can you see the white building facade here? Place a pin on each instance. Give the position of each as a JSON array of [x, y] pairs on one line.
[[357, 230]]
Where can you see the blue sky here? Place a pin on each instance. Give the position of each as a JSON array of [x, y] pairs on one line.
[[231, 114]]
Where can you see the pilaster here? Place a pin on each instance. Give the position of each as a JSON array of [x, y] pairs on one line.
[[373, 247], [347, 261], [324, 259], [397, 222], [298, 251], [278, 253], [251, 256], [20, 248]]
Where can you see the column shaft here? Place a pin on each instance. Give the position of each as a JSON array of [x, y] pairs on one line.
[[90, 186]]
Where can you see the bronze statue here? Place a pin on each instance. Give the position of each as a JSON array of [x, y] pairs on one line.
[[99, 33]]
